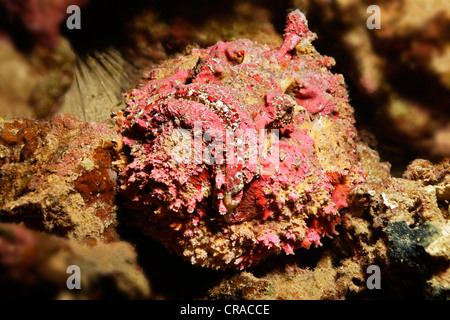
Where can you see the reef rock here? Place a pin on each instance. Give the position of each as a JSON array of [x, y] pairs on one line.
[[57, 176], [35, 265]]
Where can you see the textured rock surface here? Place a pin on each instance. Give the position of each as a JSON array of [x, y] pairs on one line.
[[34, 266], [56, 176]]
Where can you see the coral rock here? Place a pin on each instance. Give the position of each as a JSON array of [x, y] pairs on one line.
[[35, 265], [57, 176], [240, 150]]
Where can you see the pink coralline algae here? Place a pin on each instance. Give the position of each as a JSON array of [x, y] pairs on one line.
[[240, 150]]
